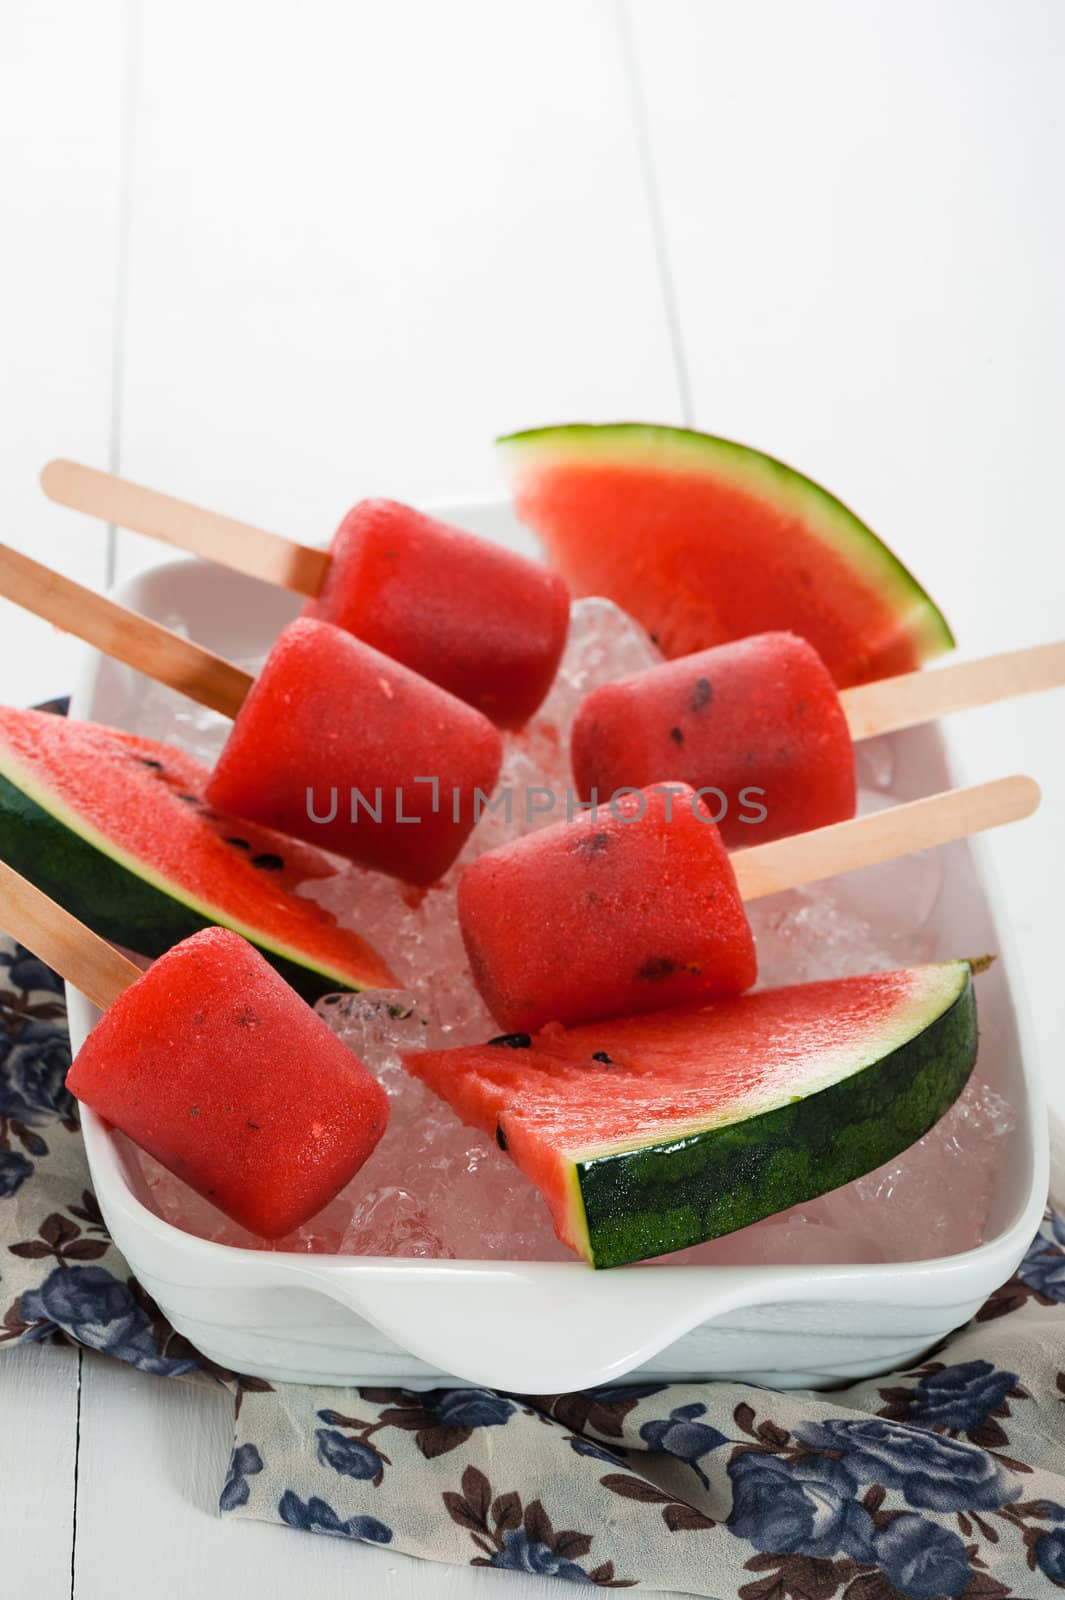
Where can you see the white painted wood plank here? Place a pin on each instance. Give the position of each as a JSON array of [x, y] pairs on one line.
[[369, 238], [62, 78], [861, 212], [38, 1407], [153, 1458]]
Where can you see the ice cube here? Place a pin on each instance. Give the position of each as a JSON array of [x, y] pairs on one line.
[[391, 1222]]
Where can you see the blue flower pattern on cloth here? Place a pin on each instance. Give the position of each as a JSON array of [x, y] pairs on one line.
[[469, 1408], [1043, 1268], [244, 1463], [522, 1554], [93, 1307], [33, 1064], [24, 973], [922, 1559], [945, 1480], [682, 1436], [317, 1516], [1049, 1552], [961, 1397], [932, 1471], [808, 1507], [595, 1452], [15, 1168], [350, 1457]]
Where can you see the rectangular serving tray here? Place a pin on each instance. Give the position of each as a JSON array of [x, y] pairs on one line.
[[547, 1327]]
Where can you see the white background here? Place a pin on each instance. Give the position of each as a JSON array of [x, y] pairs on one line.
[[275, 256]]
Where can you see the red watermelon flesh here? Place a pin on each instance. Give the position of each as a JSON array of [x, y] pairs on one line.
[[649, 1133], [212, 1064], [116, 827], [704, 540]]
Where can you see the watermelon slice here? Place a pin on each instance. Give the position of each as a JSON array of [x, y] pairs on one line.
[[704, 541], [648, 1134], [116, 829]]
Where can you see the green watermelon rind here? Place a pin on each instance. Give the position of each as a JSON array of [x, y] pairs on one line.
[[632, 1204], [117, 895], [764, 477]]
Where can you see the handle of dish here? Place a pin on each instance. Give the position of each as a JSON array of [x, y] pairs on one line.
[[530, 1328]]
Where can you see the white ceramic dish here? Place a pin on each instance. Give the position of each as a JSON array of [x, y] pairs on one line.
[[544, 1327]]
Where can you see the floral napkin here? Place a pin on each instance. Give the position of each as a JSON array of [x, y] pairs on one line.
[[948, 1479]]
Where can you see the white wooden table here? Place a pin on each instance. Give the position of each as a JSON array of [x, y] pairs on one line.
[[275, 257]]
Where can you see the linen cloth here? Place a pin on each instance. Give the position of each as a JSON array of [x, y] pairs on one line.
[[948, 1479]]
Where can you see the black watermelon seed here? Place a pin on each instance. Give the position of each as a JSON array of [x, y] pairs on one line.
[[146, 761], [239, 844], [601, 1055], [702, 694], [676, 735], [501, 1138], [190, 799], [657, 968], [512, 1041], [268, 862], [590, 844]]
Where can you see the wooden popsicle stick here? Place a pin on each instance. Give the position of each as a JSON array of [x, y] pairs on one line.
[[915, 697], [121, 633], [870, 708], [62, 942], [882, 836], [202, 533]]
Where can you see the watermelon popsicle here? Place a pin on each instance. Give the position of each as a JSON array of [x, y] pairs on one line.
[[212, 1064], [482, 622], [638, 906], [344, 747], [623, 910], [334, 743], [215, 1067], [757, 726]]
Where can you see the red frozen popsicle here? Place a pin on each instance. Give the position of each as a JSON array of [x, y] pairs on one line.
[[757, 724], [629, 909], [481, 621], [342, 746], [212, 1064], [636, 905], [484, 623]]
